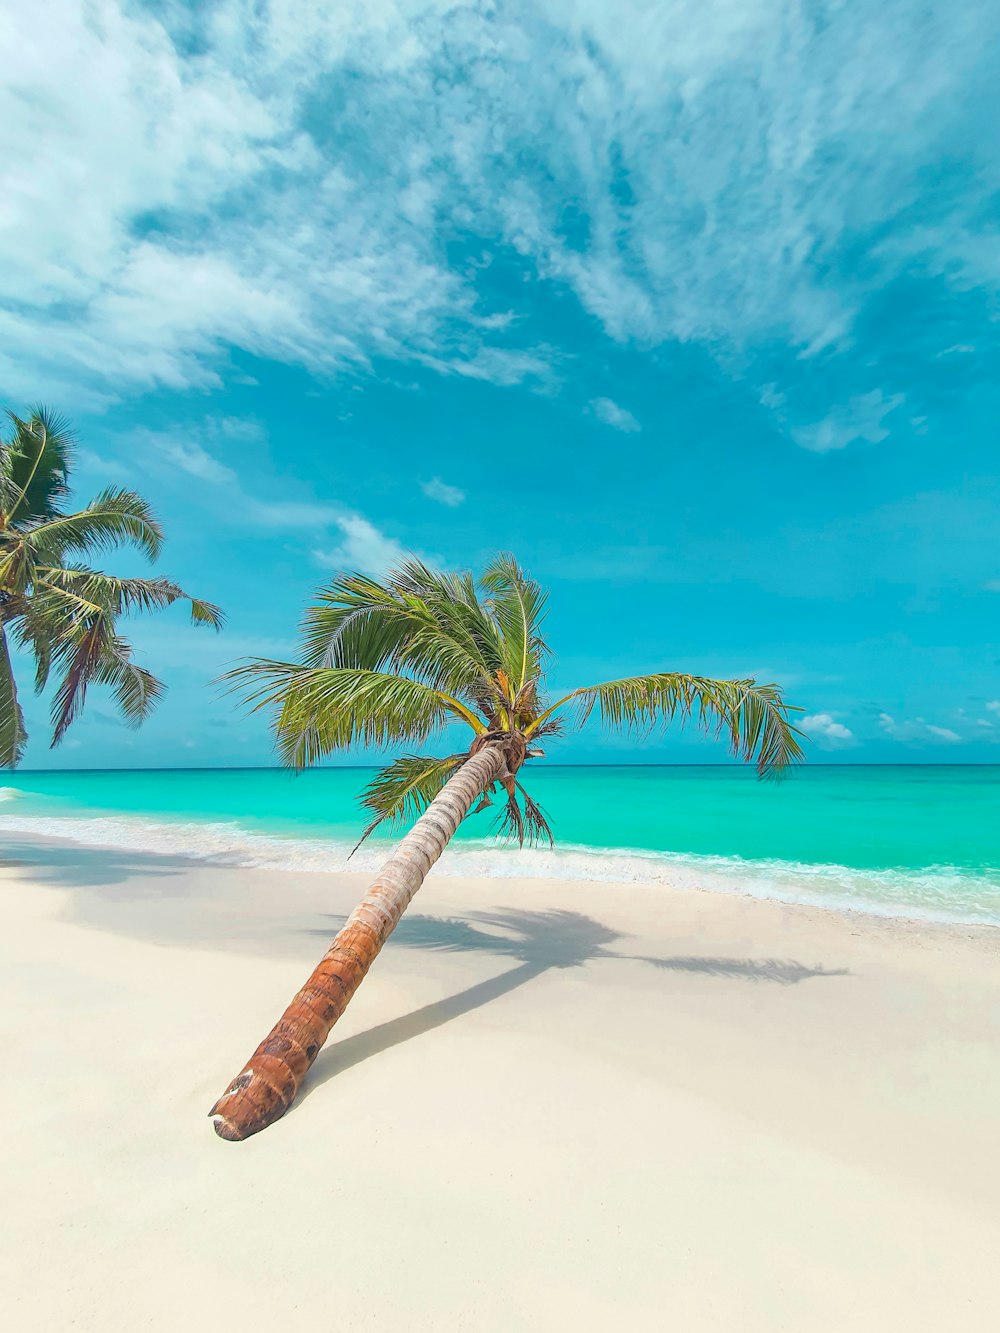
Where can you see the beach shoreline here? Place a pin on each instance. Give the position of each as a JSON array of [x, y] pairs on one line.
[[551, 1104], [898, 842]]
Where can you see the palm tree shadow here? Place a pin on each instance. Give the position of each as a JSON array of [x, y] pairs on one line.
[[539, 942]]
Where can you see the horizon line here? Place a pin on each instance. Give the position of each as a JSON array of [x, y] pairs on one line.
[[348, 768]]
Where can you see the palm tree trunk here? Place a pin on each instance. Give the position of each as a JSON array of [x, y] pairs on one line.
[[270, 1080], [12, 733]]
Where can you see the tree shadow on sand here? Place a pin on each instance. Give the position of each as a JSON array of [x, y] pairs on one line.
[[58, 863], [538, 942]]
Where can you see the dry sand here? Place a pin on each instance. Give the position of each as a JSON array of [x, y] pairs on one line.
[[551, 1106]]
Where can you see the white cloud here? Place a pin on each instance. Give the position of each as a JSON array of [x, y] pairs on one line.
[[860, 419], [944, 733], [992, 585], [826, 729], [192, 458], [439, 490], [994, 706], [917, 730], [236, 176], [360, 545], [608, 411], [363, 548]]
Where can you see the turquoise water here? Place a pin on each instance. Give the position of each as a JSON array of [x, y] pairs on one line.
[[915, 840]]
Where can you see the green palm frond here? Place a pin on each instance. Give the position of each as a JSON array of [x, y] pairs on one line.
[[753, 717], [359, 623], [318, 710], [406, 788], [91, 589], [116, 517], [454, 602], [34, 466], [95, 655], [17, 565], [518, 606], [12, 733]]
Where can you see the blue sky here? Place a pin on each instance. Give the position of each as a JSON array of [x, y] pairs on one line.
[[691, 305]]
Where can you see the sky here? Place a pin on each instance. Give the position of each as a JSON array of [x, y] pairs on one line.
[[691, 304]]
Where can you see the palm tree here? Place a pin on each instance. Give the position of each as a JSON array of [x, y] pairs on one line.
[[393, 662], [56, 607]]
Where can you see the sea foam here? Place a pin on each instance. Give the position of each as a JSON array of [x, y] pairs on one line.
[[937, 893]]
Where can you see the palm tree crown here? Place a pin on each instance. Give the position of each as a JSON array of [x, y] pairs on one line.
[[392, 661], [53, 604]]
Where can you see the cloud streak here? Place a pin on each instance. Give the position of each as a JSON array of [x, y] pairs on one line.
[[916, 730], [442, 493], [335, 188], [618, 418], [359, 544]]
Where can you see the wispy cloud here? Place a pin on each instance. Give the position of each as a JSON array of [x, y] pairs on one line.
[[359, 544], [608, 411], [917, 730], [862, 418], [302, 187], [439, 490], [190, 457]]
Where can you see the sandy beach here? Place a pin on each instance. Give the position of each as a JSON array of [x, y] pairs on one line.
[[551, 1106]]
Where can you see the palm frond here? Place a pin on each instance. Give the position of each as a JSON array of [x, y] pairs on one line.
[[116, 517], [406, 787], [754, 718], [518, 605], [12, 733], [522, 822], [34, 466], [95, 655], [535, 820], [17, 565], [90, 588], [317, 710], [361, 623]]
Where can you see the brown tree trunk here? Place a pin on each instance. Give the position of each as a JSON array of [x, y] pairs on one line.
[[269, 1081]]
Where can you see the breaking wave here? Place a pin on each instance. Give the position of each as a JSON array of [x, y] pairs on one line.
[[938, 893]]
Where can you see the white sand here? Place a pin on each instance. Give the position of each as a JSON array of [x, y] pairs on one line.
[[636, 1109]]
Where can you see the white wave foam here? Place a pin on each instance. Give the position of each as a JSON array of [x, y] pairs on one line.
[[937, 893]]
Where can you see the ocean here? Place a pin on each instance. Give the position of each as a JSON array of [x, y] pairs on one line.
[[916, 841]]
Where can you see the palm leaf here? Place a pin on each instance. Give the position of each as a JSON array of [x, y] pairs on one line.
[[317, 710], [406, 787], [95, 655], [753, 717], [17, 564], [35, 466], [90, 588], [518, 605], [412, 624], [361, 624], [116, 517], [523, 822]]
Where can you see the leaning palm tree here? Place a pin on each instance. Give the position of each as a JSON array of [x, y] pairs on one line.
[[394, 661], [55, 606]]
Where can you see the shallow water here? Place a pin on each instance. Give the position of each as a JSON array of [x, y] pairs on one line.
[[912, 841]]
